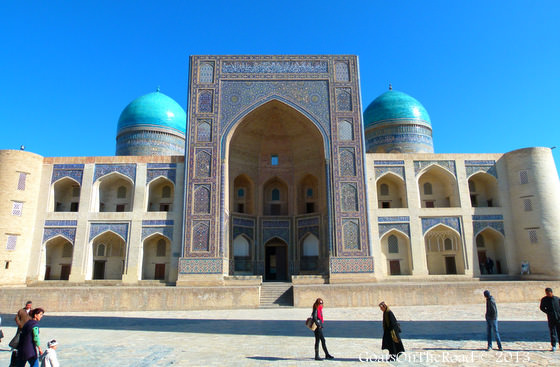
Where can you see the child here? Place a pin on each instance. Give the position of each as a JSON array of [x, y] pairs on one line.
[[48, 359]]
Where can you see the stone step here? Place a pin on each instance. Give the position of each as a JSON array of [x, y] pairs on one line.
[[276, 295]]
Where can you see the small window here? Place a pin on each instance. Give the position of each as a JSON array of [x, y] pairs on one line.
[[309, 193], [7, 264], [17, 208], [75, 191], [479, 241], [448, 244], [472, 186], [275, 194], [74, 206], [11, 242], [393, 244], [533, 236], [309, 207], [120, 207], [101, 249], [121, 192], [241, 193], [384, 189], [164, 207], [240, 208], [274, 160], [523, 177], [166, 192], [161, 248], [528, 205], [385, 204], [430, 204], [21, 181], [427, 188], [490, 203]]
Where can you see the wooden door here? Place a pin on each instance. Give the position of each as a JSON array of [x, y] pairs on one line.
[[98, 269], [65, 271], [160, 272], [395, 267], [450, 266]]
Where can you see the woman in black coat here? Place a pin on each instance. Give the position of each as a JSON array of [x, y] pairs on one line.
[[391, 333], [318, 320]]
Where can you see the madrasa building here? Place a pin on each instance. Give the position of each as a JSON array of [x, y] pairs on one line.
[[274, 174]]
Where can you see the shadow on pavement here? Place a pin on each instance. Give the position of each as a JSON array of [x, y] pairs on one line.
[[431, 330]]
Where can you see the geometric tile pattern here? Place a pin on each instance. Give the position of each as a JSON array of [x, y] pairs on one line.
[[203, 163], [351, 231], [205, 101], [345, 130], [166, 170], [273, 67], [343, 99], [276, 228], [165, 231], [11, 242], [21, 181], [120, 229], [201, 236], [488, 217], [74, 171], [204, 130], [347, 162], [129, 170], [448, 165], [453, 222], [349, 197], [206, 73], [380, 170], [393, 219], [362, 264], [68, 233], [342, 74], [386, 227], [473, 167], [202, 199], [481, 225], [200, 266]]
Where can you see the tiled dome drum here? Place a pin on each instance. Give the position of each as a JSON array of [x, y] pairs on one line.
[[397, 123], [153, 124]]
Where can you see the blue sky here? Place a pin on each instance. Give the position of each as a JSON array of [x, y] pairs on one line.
[[488, 72]]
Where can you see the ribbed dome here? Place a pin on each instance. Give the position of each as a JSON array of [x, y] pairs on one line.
[[393, 105], [156, 110]]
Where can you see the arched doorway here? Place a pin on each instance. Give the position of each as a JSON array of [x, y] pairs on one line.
[[491, 252], [276, 260], [444, 251], [438, 188], [395, 248], [58, 258], [156, 257], [276, 175], [107, 254]]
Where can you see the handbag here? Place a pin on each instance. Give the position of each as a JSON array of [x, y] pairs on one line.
[[15, 340], [310, 324]]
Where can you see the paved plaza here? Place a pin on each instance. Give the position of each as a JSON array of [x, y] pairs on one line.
[[433, 336]]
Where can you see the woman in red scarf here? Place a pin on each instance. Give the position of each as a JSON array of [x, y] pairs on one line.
[[318, 320]]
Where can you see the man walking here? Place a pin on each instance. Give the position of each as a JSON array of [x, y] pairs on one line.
[[23, 315], [492, 321], [550, 305]]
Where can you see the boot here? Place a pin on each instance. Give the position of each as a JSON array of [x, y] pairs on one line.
[[317, 358], [328, 356]]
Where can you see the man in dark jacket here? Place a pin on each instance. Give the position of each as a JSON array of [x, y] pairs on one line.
[[492, 321], [550, 305]]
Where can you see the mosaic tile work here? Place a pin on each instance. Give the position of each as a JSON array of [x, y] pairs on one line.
[[401, 227], [68, 233], [205, 103], [488, 217], [206, 72], [274, 67], [247, 231], [304, 231], [388, 163], [380, 171], [345, 130], [342, 74], [297, 94], [203, 163], [200, 266], [74, 171], [343, 99], [96, 229], [448, 165], [453, 222], [308, 222], [201, 236], [165, 231], [347, 162], [276, 223], [154, 173], [349, 197], [243, 222], [362, 264], [479, 226], [276, 228], [201, 199], [61, 223], [129, 170], [351, 234], [393, 219], [473, 167], [144, 142], [204, 130], [168, 222]]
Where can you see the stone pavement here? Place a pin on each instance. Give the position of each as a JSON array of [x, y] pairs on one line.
[[433, 336]]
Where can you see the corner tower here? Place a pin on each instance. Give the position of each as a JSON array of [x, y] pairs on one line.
[[397, 123], [153, 124]]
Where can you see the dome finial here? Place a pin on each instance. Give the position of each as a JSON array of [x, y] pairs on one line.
[[390, 86], [157, 90]]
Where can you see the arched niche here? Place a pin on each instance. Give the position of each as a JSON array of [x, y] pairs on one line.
[[242, 255], [113, 193], [489, 245], [308, 195], [156, 257], [66, 195], [310, 253], [275, 197], [443, 193], [243, 193], [483, 190], [444, 251], [391, 192], [58, 258], [161, 192], [106, 257], [396, 253]]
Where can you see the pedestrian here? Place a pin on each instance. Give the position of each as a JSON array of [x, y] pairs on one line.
[[317, 315], [1, 332], [29, 348], [391, 333], [550, 305], [492, 321], [489, 266], [49, 359], [23, 315]]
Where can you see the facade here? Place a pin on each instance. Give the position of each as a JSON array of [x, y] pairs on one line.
[[280, 178]]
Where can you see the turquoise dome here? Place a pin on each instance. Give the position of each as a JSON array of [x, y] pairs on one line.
[[393, 105], [155, 110]]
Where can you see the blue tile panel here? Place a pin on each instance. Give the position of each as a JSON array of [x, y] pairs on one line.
[[487, 166], [129, 170], [351, 234], [388, 163], [119, 228], [359, 264], [61, 223], [200, 266], [247, 231], [453, 222], [303, 231], [308, 222], [393, 219], [154, 173], [243, 222], [401, 227], [66, 232], [448, 165], [274, 67], [146, 142], [488, 217], [380, 171], [480, 222], [162, 165], [74, 171], [168, 222], [276, 223], [201, 236], [166, 231]]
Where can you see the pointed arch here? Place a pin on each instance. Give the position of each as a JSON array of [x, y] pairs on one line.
[[105, 193], [156, 200], [483, 190], [444, 250], [156, 257], [396, 191], [444, 192], [397, 262]]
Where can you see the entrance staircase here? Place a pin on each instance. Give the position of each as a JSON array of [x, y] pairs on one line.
[[276, 294]]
